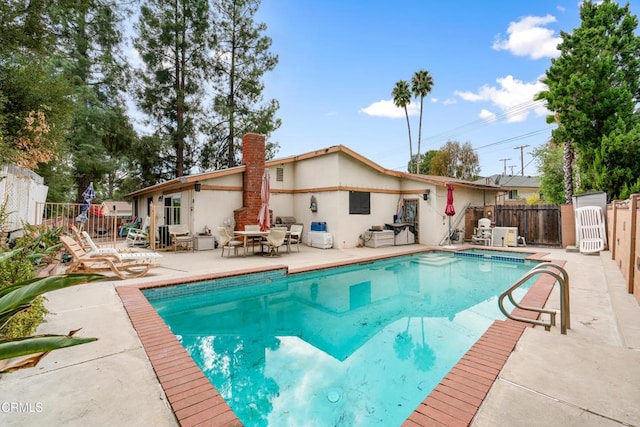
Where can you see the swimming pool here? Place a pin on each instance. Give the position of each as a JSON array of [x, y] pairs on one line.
[[306, 349]]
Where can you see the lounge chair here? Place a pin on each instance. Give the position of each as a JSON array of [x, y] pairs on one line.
[[82, 261], [90, 247], [590, 229], [274, 240], [227, 241], [295, 236]]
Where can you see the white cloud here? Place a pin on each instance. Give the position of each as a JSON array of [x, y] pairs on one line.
[[434, 100], [529, 37], [514, 97], [450, 101], [386, 108], [487, 115]]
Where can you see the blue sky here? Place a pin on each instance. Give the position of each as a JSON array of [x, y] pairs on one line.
[[340, 59]]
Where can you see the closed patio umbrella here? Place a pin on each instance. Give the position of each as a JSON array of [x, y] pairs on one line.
[[263, 215], [450, 210], [87, 197]]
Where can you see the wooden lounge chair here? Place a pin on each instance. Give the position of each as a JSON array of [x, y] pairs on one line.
[[90, 247], [82, 261]]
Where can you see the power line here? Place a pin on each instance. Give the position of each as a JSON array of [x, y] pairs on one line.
[[507, 113], [514, 138]]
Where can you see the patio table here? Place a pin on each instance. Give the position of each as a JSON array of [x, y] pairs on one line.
[[246, 234]]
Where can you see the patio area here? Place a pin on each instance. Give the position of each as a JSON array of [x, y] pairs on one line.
[[588, 377]]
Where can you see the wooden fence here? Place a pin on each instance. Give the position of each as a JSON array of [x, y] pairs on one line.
[[541, 225]]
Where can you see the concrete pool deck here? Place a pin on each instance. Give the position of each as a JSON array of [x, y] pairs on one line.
[[588, 377]]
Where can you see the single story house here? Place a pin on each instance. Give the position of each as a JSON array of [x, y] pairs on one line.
[[334, 185], [515, 189]]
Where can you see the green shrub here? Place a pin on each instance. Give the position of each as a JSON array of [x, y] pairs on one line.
[[36, 248]]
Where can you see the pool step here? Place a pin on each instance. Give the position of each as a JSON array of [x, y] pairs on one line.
[[437, 260]]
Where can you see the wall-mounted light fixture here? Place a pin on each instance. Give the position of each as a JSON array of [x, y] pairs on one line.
[[160, 198], [197, 186], [425, 196]]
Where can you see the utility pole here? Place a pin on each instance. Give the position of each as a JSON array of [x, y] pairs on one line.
[[521, 148], [504, 161], [512, 166]]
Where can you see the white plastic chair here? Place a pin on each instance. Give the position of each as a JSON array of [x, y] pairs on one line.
[[227, 241], [483, 232], [274, 240], [590, 229], [139, 236], [295, 236]]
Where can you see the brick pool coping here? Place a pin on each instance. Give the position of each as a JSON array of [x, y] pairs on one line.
[[454, 401]]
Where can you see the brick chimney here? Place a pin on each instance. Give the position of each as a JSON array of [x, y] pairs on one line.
[[253, 147]]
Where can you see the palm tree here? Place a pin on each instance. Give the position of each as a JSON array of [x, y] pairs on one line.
[[401, 98], [421, 85]]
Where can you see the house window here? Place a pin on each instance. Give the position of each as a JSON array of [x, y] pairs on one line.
[[280, 174], [172, 209], [359, 203], [513, 194]]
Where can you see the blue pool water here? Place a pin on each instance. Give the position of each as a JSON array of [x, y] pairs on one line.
[[360, 345]]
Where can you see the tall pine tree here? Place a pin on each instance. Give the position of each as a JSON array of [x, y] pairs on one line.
[[242, 57], [174, 39], [89, 47]]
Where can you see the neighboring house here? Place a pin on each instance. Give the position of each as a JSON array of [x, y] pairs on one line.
[[123, 209], [514, 188], [351, 192]]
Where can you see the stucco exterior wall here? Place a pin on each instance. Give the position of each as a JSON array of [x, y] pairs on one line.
[[329, 178]]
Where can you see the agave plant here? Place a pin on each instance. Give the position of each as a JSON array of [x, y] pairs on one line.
[[18, 297]]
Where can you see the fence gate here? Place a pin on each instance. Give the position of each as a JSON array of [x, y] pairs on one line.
[[541, 225]]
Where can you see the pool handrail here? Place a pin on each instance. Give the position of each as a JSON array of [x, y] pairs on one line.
[[562, 278]]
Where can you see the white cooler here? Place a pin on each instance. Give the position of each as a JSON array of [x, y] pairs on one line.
[[319, 239]]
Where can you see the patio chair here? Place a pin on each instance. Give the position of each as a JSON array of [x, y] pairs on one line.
[[483, 233], [180, 236], [590, 229], [254, 241], [139, 236], [295, 236], [274, 240], [124, 228], [90, 247], [227, 241], [85, 262]]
